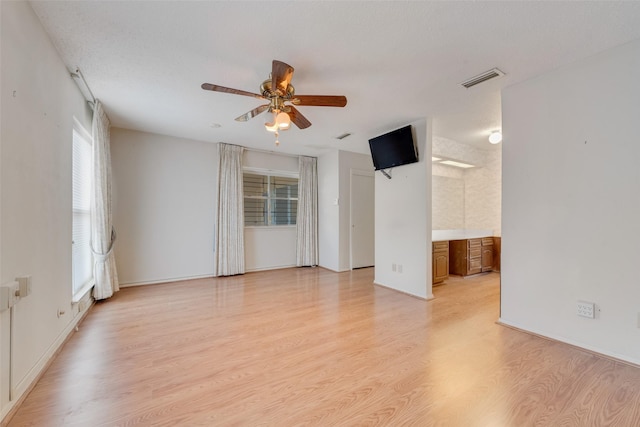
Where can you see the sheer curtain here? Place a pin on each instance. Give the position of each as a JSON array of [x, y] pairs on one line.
[[307, 220], [102, 233], [230, 235]]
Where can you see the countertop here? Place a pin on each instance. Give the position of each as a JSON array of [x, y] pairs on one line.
[[442, 235]]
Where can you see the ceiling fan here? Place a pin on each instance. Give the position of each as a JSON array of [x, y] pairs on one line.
[[281, 97]]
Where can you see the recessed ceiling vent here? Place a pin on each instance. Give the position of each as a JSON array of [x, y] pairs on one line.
[[487, 75], [343, 136]]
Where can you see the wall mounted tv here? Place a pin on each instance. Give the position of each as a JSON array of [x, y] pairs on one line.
[[392, 149]]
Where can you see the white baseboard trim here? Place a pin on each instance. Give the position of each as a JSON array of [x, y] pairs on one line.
[[582, 346], [276, 267], [167, 280], [19, 391], [427, 298]]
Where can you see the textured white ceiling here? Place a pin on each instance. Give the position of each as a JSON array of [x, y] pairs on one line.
[[395, 61]]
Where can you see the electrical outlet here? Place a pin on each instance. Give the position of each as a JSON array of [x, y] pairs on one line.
[[393, 267], [586, 309], [399, 268]]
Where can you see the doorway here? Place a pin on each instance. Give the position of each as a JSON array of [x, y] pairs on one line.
[[362, 233]]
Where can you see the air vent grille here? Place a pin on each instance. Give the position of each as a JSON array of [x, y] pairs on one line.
[[343, 136], [487, 75]]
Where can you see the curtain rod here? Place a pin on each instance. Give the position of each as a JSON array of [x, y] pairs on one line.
[[80, 77], [259, 150]]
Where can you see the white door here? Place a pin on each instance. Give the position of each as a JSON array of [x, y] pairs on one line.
[[362, 219]]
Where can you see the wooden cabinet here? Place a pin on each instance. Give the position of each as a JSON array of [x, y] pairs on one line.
[[487, 254], [440, 267], [470, 256]]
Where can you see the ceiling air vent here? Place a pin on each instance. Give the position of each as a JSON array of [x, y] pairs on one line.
[[343, 136], [487, 75]]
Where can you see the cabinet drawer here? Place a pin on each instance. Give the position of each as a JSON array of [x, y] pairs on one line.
[[475, 266], [475, 253], [487, 241], [440, 246], [474, 243]]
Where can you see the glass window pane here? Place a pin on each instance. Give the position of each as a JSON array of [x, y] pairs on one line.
[[255, 211], [255, 185], [269, 200], [282, 187], [284, 212], [82, 257], [81, 253]]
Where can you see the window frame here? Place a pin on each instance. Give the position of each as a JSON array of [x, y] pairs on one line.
[[270, 173], [78, 292]]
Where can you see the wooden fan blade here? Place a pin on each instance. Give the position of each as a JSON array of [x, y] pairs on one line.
[[297, 118], [281, 74], [251, 114], [216, 88], [320, 100]]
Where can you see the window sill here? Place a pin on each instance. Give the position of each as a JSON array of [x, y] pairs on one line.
[[270, 227], [78, 296]]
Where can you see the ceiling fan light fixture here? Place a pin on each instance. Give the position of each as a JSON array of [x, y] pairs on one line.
[[271, 127], [283, 121], [278, 91], [495, 137]]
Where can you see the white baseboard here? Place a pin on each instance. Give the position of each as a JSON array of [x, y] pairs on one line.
[[427, 298], [19, 391], [277, 267], [592, 349], [167, 280]]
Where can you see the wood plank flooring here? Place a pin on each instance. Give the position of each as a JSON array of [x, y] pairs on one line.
[[309, 347]]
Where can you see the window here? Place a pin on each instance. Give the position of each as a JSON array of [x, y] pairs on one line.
[[81, 257], [269, 199]]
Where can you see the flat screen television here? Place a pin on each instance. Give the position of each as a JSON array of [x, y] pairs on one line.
[[392, 149]]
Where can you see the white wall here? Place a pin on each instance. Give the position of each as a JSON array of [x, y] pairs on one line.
[[165, 209], [329, 210], [164, 206], [334, 206], [447, 203], [403, 221], [39, 101], [571, 203], [482, 187]]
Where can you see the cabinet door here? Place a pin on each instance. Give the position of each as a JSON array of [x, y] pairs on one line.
[[487, 258], [487, 254], [440, 267]]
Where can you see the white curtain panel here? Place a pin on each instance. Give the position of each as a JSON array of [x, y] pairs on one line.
[[102, 232], [230, 235], [307, 220]]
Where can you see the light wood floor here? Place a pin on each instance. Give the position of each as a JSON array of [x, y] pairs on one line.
[[301, 347]]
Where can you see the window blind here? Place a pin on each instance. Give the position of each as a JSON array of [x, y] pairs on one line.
[[81, 257]]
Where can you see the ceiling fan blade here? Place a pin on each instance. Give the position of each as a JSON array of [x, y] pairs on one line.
[[297, 118], [216, 88], [281, 74], [320, 100], [251, 114]]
